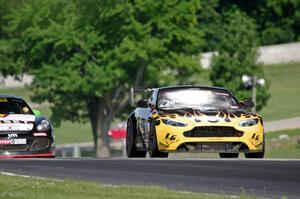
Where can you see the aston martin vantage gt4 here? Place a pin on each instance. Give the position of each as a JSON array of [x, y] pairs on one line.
[[194, 118]]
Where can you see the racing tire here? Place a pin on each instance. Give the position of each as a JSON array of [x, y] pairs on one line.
[[152, 144], [229, 155], [255, 155], [131, 149]]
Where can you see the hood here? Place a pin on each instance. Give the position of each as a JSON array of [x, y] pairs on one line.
[[207, 116], [16, 122]]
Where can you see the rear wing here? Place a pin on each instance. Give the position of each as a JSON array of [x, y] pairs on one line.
[[134, 91]]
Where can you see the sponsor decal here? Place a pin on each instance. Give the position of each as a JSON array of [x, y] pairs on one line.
[[16, 127], [19, 141], [20, 117], [3, 99], [12, 141], [256, 139], [25, 109], [13, 123], [12, 135], [6, 142]]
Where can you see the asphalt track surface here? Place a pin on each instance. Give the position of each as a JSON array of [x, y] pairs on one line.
[[263, 178]]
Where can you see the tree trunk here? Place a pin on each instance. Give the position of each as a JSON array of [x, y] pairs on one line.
[[99, 126], [101, 112], [102, 147]]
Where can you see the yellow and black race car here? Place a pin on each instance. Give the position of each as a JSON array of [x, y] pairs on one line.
[[194, 118]]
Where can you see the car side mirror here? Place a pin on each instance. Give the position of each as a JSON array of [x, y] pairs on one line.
[[37, 112], [248, 103], [142, 103]]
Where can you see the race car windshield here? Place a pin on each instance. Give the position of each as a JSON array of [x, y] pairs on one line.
[[14, 106], [196, 98]]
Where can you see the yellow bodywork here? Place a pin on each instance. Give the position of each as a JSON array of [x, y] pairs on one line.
[[253, 135]]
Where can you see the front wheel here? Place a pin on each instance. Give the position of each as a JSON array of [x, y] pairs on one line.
[[152, 142], [255, 155], [229, 155], [131, 149]]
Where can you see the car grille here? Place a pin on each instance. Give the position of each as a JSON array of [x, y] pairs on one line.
[[32, 145], [213, 131]]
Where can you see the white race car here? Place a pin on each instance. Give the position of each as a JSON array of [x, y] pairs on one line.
[[23, 131]]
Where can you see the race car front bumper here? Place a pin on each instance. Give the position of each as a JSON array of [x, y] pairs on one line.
[[218, 138], [34, 147]]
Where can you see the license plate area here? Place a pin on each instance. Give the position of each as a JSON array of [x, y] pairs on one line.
[[211, 147], [218, 147]]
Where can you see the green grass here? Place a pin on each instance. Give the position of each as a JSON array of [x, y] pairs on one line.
[[23, 92], [285, 91], [283, 148], [12, 187], [73, 132]]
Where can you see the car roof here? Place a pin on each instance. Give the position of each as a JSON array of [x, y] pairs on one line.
[[5, 95], [195, 86]]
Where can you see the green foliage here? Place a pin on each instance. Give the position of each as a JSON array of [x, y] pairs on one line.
[[283, 22], [85, 55], [277, 21], [210, 20], [84, 49], [5, 9], [237, 57]]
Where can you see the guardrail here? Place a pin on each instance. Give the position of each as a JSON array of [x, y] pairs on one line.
[[86, 149]]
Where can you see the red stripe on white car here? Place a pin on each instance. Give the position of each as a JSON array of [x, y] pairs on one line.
[[28, 155]]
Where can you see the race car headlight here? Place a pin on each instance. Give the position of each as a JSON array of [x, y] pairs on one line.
[[173, 123], [43, 125], [246, 123]]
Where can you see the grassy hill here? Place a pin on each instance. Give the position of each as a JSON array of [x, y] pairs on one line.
[[285, 91], [284, 102], [283, 144]]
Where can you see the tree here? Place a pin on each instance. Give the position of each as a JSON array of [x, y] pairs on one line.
[[85, 55], [5, 9], [277, 21], [237, 57], [210, 20]]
